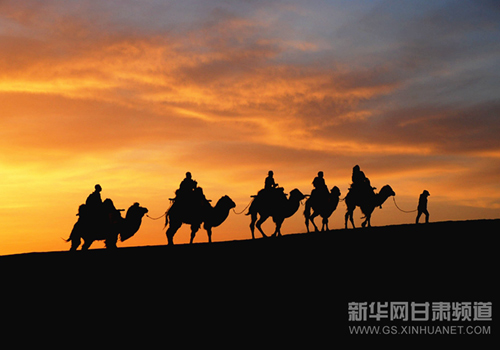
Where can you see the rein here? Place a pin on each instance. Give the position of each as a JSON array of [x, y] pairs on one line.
[[404, 211], [241, 212], [158, 218]]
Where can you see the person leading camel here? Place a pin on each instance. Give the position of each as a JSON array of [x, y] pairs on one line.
[[422, 206]]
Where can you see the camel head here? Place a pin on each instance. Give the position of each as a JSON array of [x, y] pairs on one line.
[[132, 222], [295, 194], [335, 191], [136, 212], [82, 210], [387, 191], [227, 202]]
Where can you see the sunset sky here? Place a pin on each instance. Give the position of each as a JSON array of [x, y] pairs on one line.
[[132, 94]]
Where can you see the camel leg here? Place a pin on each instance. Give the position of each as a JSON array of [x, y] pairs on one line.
[[349, 216], [368, 216], [75, 243], [307, 215], [367, 221], [314, 224], [111, 242], [278, 223], [75, 236], [86, 244], [325, 225], [252, 224], [171, 232], [209, 233], [259, 224], [194, 229], [352, 219]]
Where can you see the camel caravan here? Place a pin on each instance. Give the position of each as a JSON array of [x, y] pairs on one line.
[[100, 220]]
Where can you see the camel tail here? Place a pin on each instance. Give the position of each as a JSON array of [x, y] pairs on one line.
[[307, 210], [71, 235], [250, 208], [166, 222]]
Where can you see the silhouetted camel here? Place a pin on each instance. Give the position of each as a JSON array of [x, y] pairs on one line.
[[323, 207], [367, 203], [105, 226], [277, 207], [195, 216]]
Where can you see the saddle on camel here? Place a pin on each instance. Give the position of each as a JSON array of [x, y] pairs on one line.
[[271, 193], [190, 197], [320, 193]]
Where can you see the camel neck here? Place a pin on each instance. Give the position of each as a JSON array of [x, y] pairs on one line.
[[220, 214], [291, 207], [380, 199]]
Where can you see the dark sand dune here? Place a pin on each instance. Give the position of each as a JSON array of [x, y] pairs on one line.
[[299, 283], [444, 254]]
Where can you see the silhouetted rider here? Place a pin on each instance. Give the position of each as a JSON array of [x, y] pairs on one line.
[[94, 200], [96, 210], [271, 190], [319, 183], [320, 189], [360, 183], [188, 184], [93, 204], [358, 177], [269, 182], [189, 195]]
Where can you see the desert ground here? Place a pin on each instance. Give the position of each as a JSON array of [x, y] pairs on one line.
[[293, 283]]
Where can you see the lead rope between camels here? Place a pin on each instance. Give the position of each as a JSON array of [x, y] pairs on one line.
[[158, 218], [404, 211], [241, 212]]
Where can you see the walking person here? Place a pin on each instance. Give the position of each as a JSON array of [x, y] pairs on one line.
[[422, 206]]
